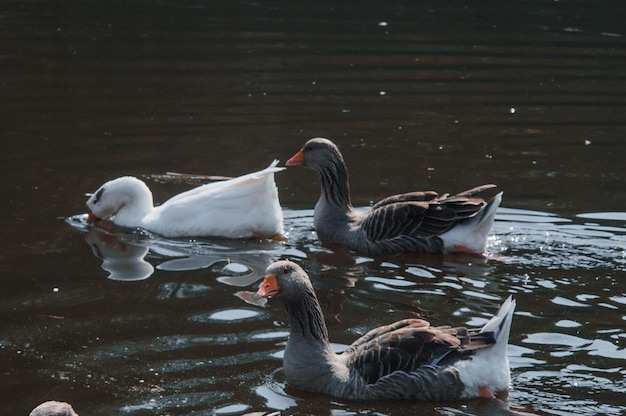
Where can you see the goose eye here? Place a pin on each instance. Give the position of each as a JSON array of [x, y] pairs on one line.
[[98, 195], [285, 270]]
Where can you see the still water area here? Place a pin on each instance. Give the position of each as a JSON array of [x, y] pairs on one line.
[[419, 95]]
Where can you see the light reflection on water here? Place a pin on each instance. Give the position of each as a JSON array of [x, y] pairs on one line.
[[543, 347], [527, 95]]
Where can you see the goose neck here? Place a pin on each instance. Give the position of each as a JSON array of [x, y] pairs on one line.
[[335, 185], [306, 319]]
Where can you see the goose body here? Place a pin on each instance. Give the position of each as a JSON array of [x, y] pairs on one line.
[[241, 207], [409, 359], [53, 408], [416, 222]]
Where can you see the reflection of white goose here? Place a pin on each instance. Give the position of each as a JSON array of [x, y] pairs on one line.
[[242, 207], [123, 261]]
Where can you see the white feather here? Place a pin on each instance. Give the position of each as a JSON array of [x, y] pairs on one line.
[[473, 234], [489, 367], [237, 208]]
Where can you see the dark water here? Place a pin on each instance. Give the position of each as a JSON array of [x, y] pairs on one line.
[[419, 95]]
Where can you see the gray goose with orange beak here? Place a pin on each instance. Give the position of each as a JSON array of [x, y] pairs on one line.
[[416, 222], [409, 359]]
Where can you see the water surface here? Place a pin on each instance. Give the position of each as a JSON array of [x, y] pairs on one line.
[[527, 95]]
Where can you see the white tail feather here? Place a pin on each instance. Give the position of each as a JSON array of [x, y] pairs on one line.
[[490, 366], [473, 233]]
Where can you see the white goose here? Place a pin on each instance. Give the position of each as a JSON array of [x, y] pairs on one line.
[[242, 207]]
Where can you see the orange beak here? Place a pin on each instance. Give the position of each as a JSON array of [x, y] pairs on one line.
[[268, 288], [90, 217], [297, 159]]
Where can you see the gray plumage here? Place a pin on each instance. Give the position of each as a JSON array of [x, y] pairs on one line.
[[53, 408], [416, 222], [409, 359]]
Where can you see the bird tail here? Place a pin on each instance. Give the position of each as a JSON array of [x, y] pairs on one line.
[[500, 326], [500, 323], [484, 220], [489, 367], [273, 167], [472, 234]]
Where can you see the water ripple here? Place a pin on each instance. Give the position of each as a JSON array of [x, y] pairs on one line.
[[539, 257]]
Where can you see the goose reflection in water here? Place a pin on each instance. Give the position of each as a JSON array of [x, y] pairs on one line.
[[124, 261], [124, 255]]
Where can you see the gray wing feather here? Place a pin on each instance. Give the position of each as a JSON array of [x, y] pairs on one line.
[[428, 383], [415, 218]]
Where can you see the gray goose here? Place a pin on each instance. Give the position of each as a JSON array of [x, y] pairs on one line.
[[53, 408], [415, 222], [408, 359]]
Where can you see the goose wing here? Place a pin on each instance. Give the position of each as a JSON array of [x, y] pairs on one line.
[[426, 196], [230, 188], [420, 214], [402, 346]]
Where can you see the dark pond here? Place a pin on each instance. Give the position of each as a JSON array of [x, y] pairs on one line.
[[419, 95]]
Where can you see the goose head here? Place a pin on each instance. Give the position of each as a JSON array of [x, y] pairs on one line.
[[286, 281], [126, 200], [317, 153]]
